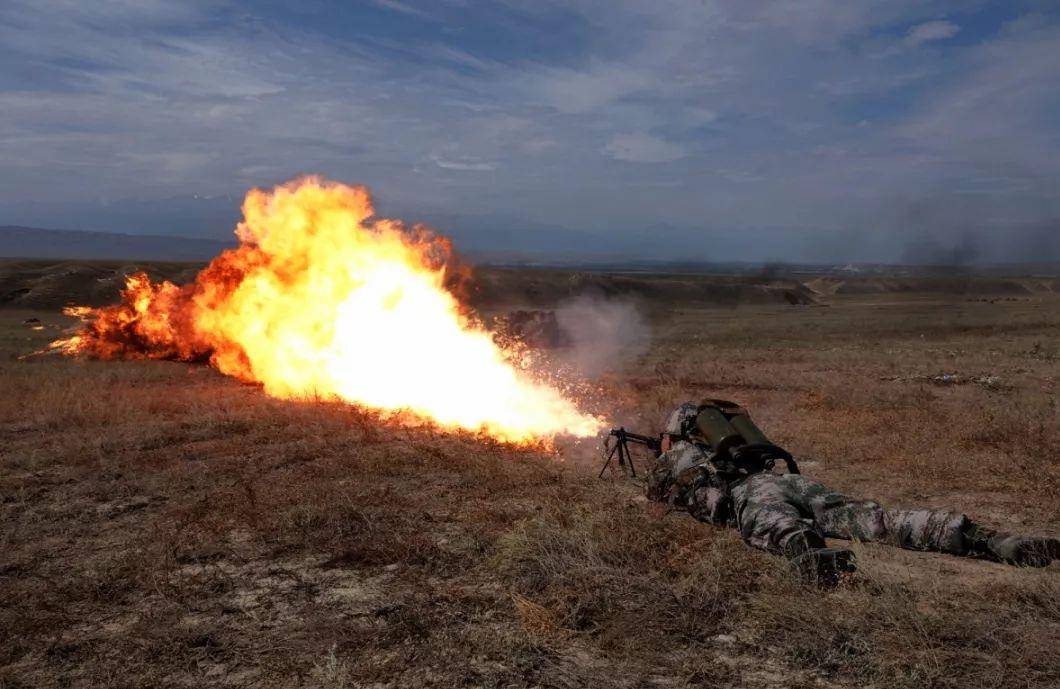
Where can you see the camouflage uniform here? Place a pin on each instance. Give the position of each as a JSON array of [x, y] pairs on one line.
[[790, 514]]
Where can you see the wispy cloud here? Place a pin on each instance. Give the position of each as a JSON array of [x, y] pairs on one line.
[[403, 8], [932, 31], [465, 165], [638, 147], [584, 90]]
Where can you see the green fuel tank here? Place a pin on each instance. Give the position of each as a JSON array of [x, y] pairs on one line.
[[727, 425]]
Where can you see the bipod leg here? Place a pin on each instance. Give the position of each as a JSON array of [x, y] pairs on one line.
[[629, 459], [610, 456]]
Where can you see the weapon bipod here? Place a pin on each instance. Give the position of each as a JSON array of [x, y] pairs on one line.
[[621, 448]]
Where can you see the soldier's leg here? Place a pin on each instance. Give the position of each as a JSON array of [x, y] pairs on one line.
[[839, 516], [769, 516], [1012, 549], [954, 533]]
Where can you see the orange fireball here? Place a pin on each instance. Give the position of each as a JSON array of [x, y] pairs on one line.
[[319, 301]]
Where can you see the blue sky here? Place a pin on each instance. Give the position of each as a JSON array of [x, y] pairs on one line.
[[818, 129]]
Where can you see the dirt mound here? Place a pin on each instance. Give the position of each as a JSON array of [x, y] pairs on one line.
[[1046, 284], [50, 284], [931, 285], [535, 287], [41, 284]]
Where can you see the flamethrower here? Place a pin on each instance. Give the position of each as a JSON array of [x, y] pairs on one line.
[[723, 428]]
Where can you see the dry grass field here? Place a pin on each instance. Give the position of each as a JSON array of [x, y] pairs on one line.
[[166, 526]]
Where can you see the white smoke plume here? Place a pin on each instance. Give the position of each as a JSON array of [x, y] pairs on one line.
[[604, 334]]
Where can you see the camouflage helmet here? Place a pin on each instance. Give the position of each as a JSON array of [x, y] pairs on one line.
[[681, 420]]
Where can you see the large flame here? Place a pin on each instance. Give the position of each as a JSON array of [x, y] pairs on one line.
[[319, 301]]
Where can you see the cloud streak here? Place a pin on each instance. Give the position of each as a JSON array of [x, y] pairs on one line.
[[931, 31], [638, 147]]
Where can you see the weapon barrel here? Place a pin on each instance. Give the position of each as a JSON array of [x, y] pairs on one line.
[[636, 437]]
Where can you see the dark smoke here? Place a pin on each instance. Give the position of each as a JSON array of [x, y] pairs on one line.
[[928, 250]]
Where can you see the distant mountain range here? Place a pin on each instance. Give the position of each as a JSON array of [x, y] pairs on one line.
[[488, 241], [34, 242], [478, 239]]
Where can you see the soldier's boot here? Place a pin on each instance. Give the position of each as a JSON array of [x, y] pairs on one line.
[[814, 562], [1022, 551]]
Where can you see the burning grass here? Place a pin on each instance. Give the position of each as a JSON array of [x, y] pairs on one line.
[[322, 301], [166, 525]]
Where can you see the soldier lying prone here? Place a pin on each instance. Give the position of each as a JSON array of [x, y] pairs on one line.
[[713, 462]]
